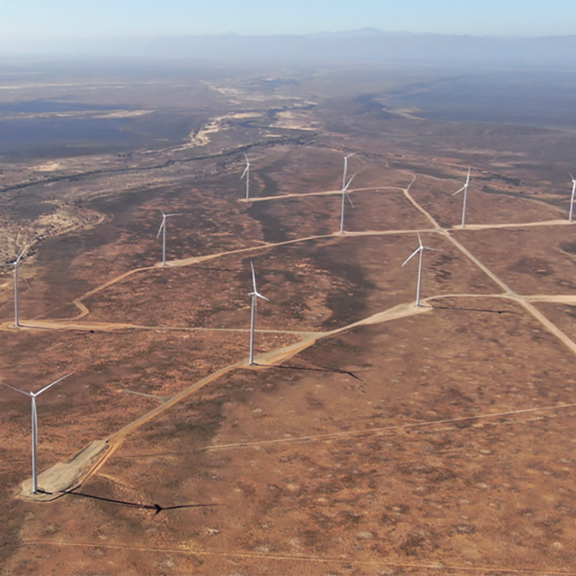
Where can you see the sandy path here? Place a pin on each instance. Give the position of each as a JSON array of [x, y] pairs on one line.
[[520, 225], [324, 193], [561, 299]]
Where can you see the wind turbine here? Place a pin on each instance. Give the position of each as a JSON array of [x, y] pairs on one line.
[[419, 250], [344, 196], [163, 230], [572, 197], [247, 174], [254, 294], [33, 396], [465, 188], [345, 168], [15, 264]]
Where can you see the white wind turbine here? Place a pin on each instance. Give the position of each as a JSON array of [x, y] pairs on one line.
[[33, 396], [247, 174], [15, 264], [254, 295], [465, 188], [572, 197], [344, 197], [419, 250], [163, 230]]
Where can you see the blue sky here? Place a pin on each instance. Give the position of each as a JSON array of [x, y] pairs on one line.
[[45, 19]]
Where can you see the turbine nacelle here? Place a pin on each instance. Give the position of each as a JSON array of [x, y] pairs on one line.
[[465, 185], [163, 224], [255, 292], [420, 248], [247, 167], [465, 190], [36, 394], [258, 295], [345, 167], [17, 261]]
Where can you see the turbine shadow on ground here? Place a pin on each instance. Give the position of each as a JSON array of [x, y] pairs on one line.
[[155, 507], [329, 370]]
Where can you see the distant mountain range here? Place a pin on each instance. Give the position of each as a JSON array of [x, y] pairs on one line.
[[368, 46], [361, 33]]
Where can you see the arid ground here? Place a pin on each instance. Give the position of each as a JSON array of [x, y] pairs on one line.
[[372, 436]]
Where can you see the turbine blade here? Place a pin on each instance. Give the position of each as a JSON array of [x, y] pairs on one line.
[[246, 156], [349, 200], [433, 249], [411, 256], [17, 389], [346, 187], [161, 226], [468, 177], [419, 239], [253, 279], [458, 191], [174, 214], [245, 170], [21, 254], [571, 177], [260, 296], [52, 384]]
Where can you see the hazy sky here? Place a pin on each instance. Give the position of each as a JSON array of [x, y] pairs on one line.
[[44, 19]]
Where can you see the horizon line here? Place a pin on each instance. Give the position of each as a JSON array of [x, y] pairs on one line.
[[364, 32]]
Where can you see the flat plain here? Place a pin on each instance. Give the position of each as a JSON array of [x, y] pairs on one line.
[[372, 435]]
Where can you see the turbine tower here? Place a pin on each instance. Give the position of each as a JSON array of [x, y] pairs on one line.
[[465, 188], [344, 197], [33, 396], [254, 295], [572, 197], [247, 174], [15, 265], [420, 251], [163, 230]]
